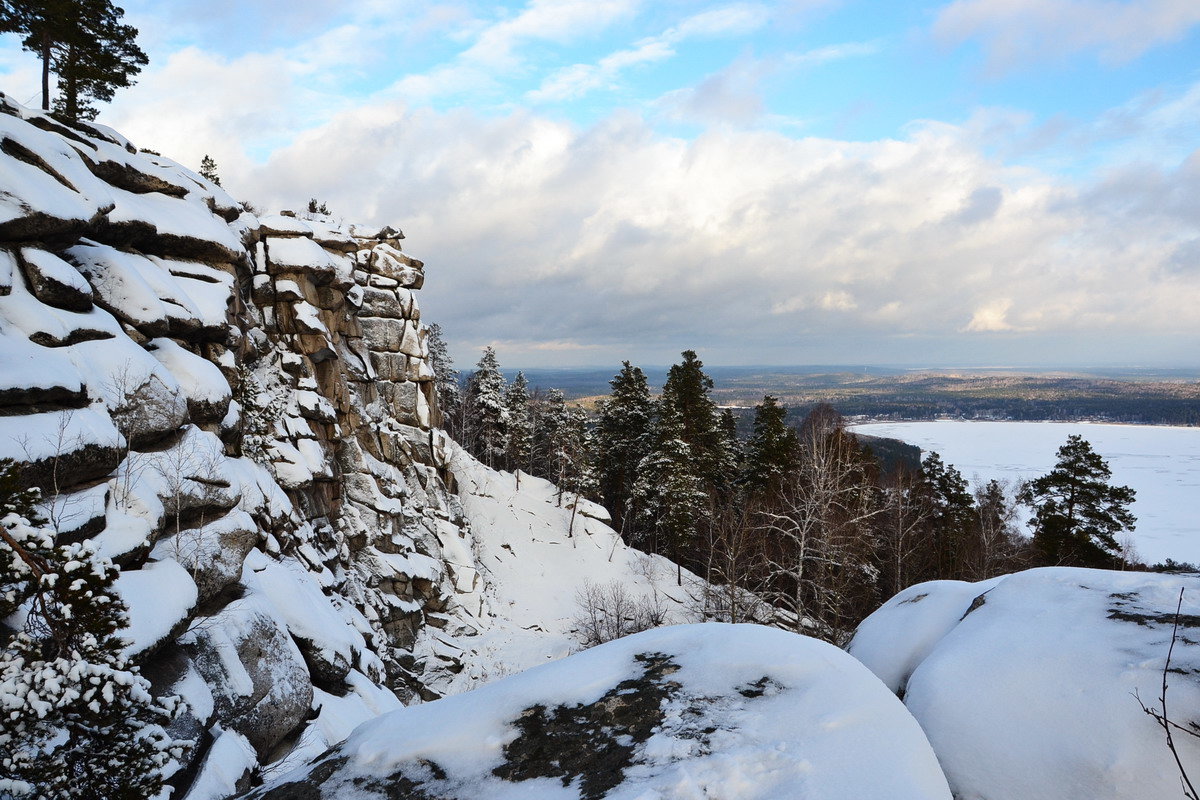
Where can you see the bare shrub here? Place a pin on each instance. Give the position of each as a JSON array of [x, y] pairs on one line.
[[607, 612]]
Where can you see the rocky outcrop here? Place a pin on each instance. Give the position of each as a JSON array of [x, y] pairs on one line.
[[1031, 685], [240, 412]]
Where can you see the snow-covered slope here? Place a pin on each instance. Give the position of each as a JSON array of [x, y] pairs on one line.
[[692, 711], [1028, 685], [239, 411]]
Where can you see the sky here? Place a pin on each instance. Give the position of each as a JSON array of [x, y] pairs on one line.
[[966, 183]]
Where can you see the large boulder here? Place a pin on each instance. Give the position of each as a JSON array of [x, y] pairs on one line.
[[260, 684], [1028, 686], [691, 711]]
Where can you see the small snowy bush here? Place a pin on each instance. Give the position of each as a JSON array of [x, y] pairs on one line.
[[76, 719]]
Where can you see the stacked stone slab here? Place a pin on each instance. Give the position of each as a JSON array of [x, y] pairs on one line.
[[345, 331]]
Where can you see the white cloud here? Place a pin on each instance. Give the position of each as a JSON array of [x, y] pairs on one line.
[[578, 79], [991, 317], [833, 52], [196, 103], [546, 20], [788, 249], [1017, 33], [731, 96]]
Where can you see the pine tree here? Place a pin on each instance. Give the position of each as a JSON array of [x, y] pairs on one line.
[[687, 390], [548, 413], [208, 169], [83, 42], [772, 451], [446, 376], [1077, 513], [670, 495], [486, 414], [574, 455], [79, 720], [951, 516], [518, 435], [623, 437]]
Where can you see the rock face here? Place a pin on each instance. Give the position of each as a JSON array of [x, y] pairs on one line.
[[240, 412], [1028, 685], [690, 711]]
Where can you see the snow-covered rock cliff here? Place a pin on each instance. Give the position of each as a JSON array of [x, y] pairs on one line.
[[240, 412]]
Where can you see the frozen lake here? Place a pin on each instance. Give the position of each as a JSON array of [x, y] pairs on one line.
[[1161, 463]]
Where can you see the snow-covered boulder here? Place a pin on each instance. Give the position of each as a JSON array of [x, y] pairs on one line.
[[258, 679], [1028, 685], [713, 710]]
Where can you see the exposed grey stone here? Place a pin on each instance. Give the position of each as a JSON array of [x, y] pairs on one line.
[[279, 692], [213, 553], [385, 335], [381, 303]]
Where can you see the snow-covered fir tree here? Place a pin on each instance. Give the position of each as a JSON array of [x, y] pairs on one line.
[[518, 434], [574, 455], [688, 390], [549, 414], [259, 413], [670, 496], [623, 438], [446, 380], [486, 412]]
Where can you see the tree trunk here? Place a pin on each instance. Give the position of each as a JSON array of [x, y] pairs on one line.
[[45, 70]]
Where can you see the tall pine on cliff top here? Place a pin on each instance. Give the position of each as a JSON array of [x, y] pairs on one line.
[[77, 720], [83, 42]]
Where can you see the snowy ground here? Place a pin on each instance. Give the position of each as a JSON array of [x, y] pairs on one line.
[[1161, 463]]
